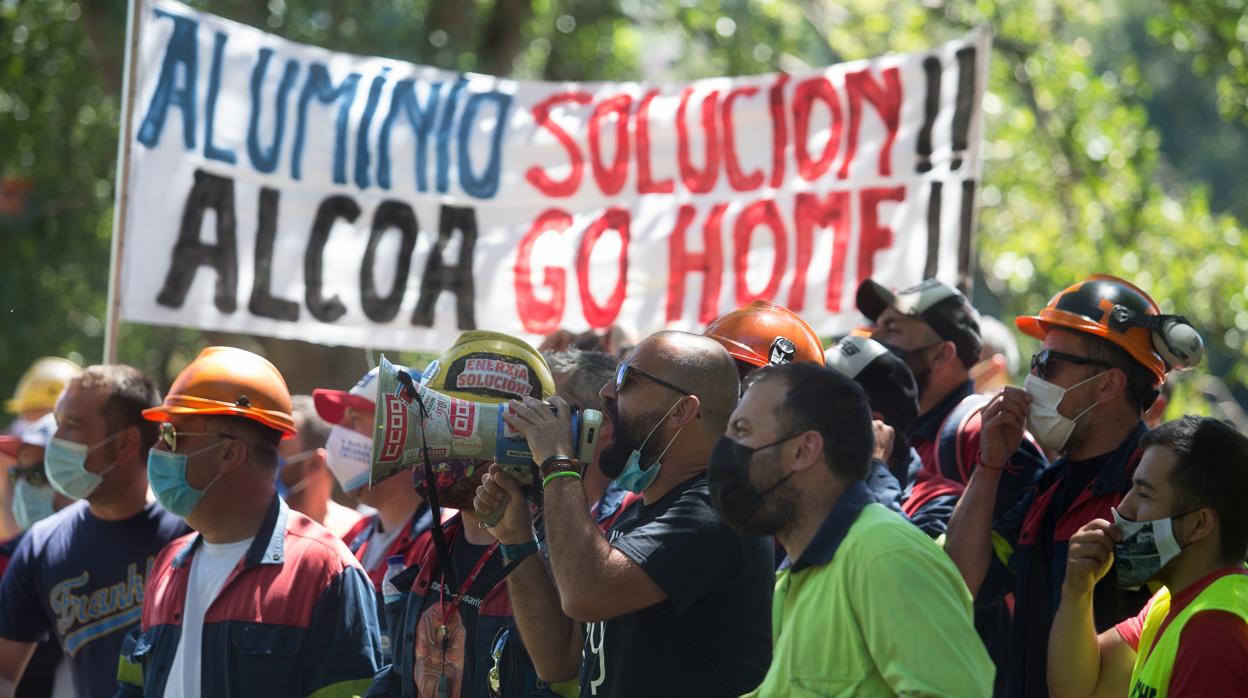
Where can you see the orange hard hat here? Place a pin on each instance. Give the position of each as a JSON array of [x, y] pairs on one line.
[[1096, 306], [764, 333], [231, 382]]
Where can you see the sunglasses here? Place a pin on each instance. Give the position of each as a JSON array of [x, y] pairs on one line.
[[623, 370], [169, 435], [1042, 363], [34, 474]]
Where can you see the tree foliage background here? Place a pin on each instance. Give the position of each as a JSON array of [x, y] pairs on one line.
[[1115, 139]]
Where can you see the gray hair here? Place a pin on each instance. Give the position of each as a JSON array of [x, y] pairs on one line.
[[313, 431], [586, 371]]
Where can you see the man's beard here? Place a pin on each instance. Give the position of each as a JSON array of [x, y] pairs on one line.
[[625, 438], [776, 512]]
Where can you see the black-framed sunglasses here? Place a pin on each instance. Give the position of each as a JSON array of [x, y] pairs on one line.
[[1042, 362], [34, 474], [623, 370], [169, 435]]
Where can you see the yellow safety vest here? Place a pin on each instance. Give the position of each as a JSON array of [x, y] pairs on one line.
[[1150, 678]]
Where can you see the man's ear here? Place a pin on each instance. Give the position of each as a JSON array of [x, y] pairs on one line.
[[1201, 524], [128, 444], [234, 455], [320, 460], [1114, 383], [689, 409], [947, 352], [808, 451]]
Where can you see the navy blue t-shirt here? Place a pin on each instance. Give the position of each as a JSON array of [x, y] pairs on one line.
[[80, 579]]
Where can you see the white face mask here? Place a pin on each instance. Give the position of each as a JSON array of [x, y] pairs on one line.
[[349, 456], [1050, 428]]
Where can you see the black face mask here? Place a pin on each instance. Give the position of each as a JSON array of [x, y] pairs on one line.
[[911, 357], [732, 493]]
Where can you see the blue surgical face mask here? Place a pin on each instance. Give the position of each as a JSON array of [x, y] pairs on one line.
[[31, 503], [633, 478], [166, 473], [66, 466], [287, 491]]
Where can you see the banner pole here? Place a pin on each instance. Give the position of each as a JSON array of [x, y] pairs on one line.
[[122, 185]]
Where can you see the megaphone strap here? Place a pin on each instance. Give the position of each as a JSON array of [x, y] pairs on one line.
[[439, 537]]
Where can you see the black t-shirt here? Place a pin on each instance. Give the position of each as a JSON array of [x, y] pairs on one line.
[[712, 636], [469, 655]]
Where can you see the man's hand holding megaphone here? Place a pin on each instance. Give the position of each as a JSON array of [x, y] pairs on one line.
[[548, 433]]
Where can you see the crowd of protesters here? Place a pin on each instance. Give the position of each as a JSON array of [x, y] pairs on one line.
[[763, 515]]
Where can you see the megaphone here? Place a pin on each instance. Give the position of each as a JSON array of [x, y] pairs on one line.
[[413, 421]]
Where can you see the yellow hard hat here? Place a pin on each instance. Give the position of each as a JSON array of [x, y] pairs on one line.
[[42, 383], [490, 367]]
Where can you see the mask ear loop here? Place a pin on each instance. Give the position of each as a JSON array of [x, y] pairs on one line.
[[1077, 417], [656, 426]]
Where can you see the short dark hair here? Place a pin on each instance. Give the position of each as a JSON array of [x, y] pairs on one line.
[[822, 399], [1211, 470], [1141, 389], [313, 431], [587, 372], [130, 391]]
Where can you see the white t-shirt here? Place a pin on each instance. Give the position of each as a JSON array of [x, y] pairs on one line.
[[378, 543], [210, 567]]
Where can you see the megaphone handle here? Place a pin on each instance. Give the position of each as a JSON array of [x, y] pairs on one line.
[[492, 518]]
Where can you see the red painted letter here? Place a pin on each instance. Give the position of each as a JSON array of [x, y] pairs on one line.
[[803, 99], [811, 214], [873, 237], [536, 175], [886, 100], [779, 130], [645, 183], [736, 178], [758, 213], [610, 179], [698, 182], [538, 316], [599, 316], [709, 262]]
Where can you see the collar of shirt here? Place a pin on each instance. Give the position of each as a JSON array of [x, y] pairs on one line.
[[268, 548], [1114, 472], [834, 528], [927, 425]]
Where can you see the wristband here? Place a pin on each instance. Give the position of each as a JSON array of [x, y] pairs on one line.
[[512, 553], [559, 474], [556, 459]]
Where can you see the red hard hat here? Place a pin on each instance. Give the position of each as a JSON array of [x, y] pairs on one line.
[[763, 333]]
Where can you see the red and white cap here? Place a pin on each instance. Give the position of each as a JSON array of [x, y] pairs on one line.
[[332, 404]]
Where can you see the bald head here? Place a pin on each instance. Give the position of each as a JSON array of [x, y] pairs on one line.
[[702, 366]]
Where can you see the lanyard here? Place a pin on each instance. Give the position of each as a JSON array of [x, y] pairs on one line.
[[443, 632]]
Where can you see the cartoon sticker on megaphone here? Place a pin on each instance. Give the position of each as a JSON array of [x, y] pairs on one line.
[[414, 420]]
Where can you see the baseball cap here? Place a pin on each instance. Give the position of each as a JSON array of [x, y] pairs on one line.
[[886, 379], [38, 433], [332, 404], [940, 305]]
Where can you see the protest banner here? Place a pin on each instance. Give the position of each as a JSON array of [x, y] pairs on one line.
[[280, 189]]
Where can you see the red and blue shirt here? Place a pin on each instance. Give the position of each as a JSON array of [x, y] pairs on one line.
[[296, 617], [1031, 542]]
